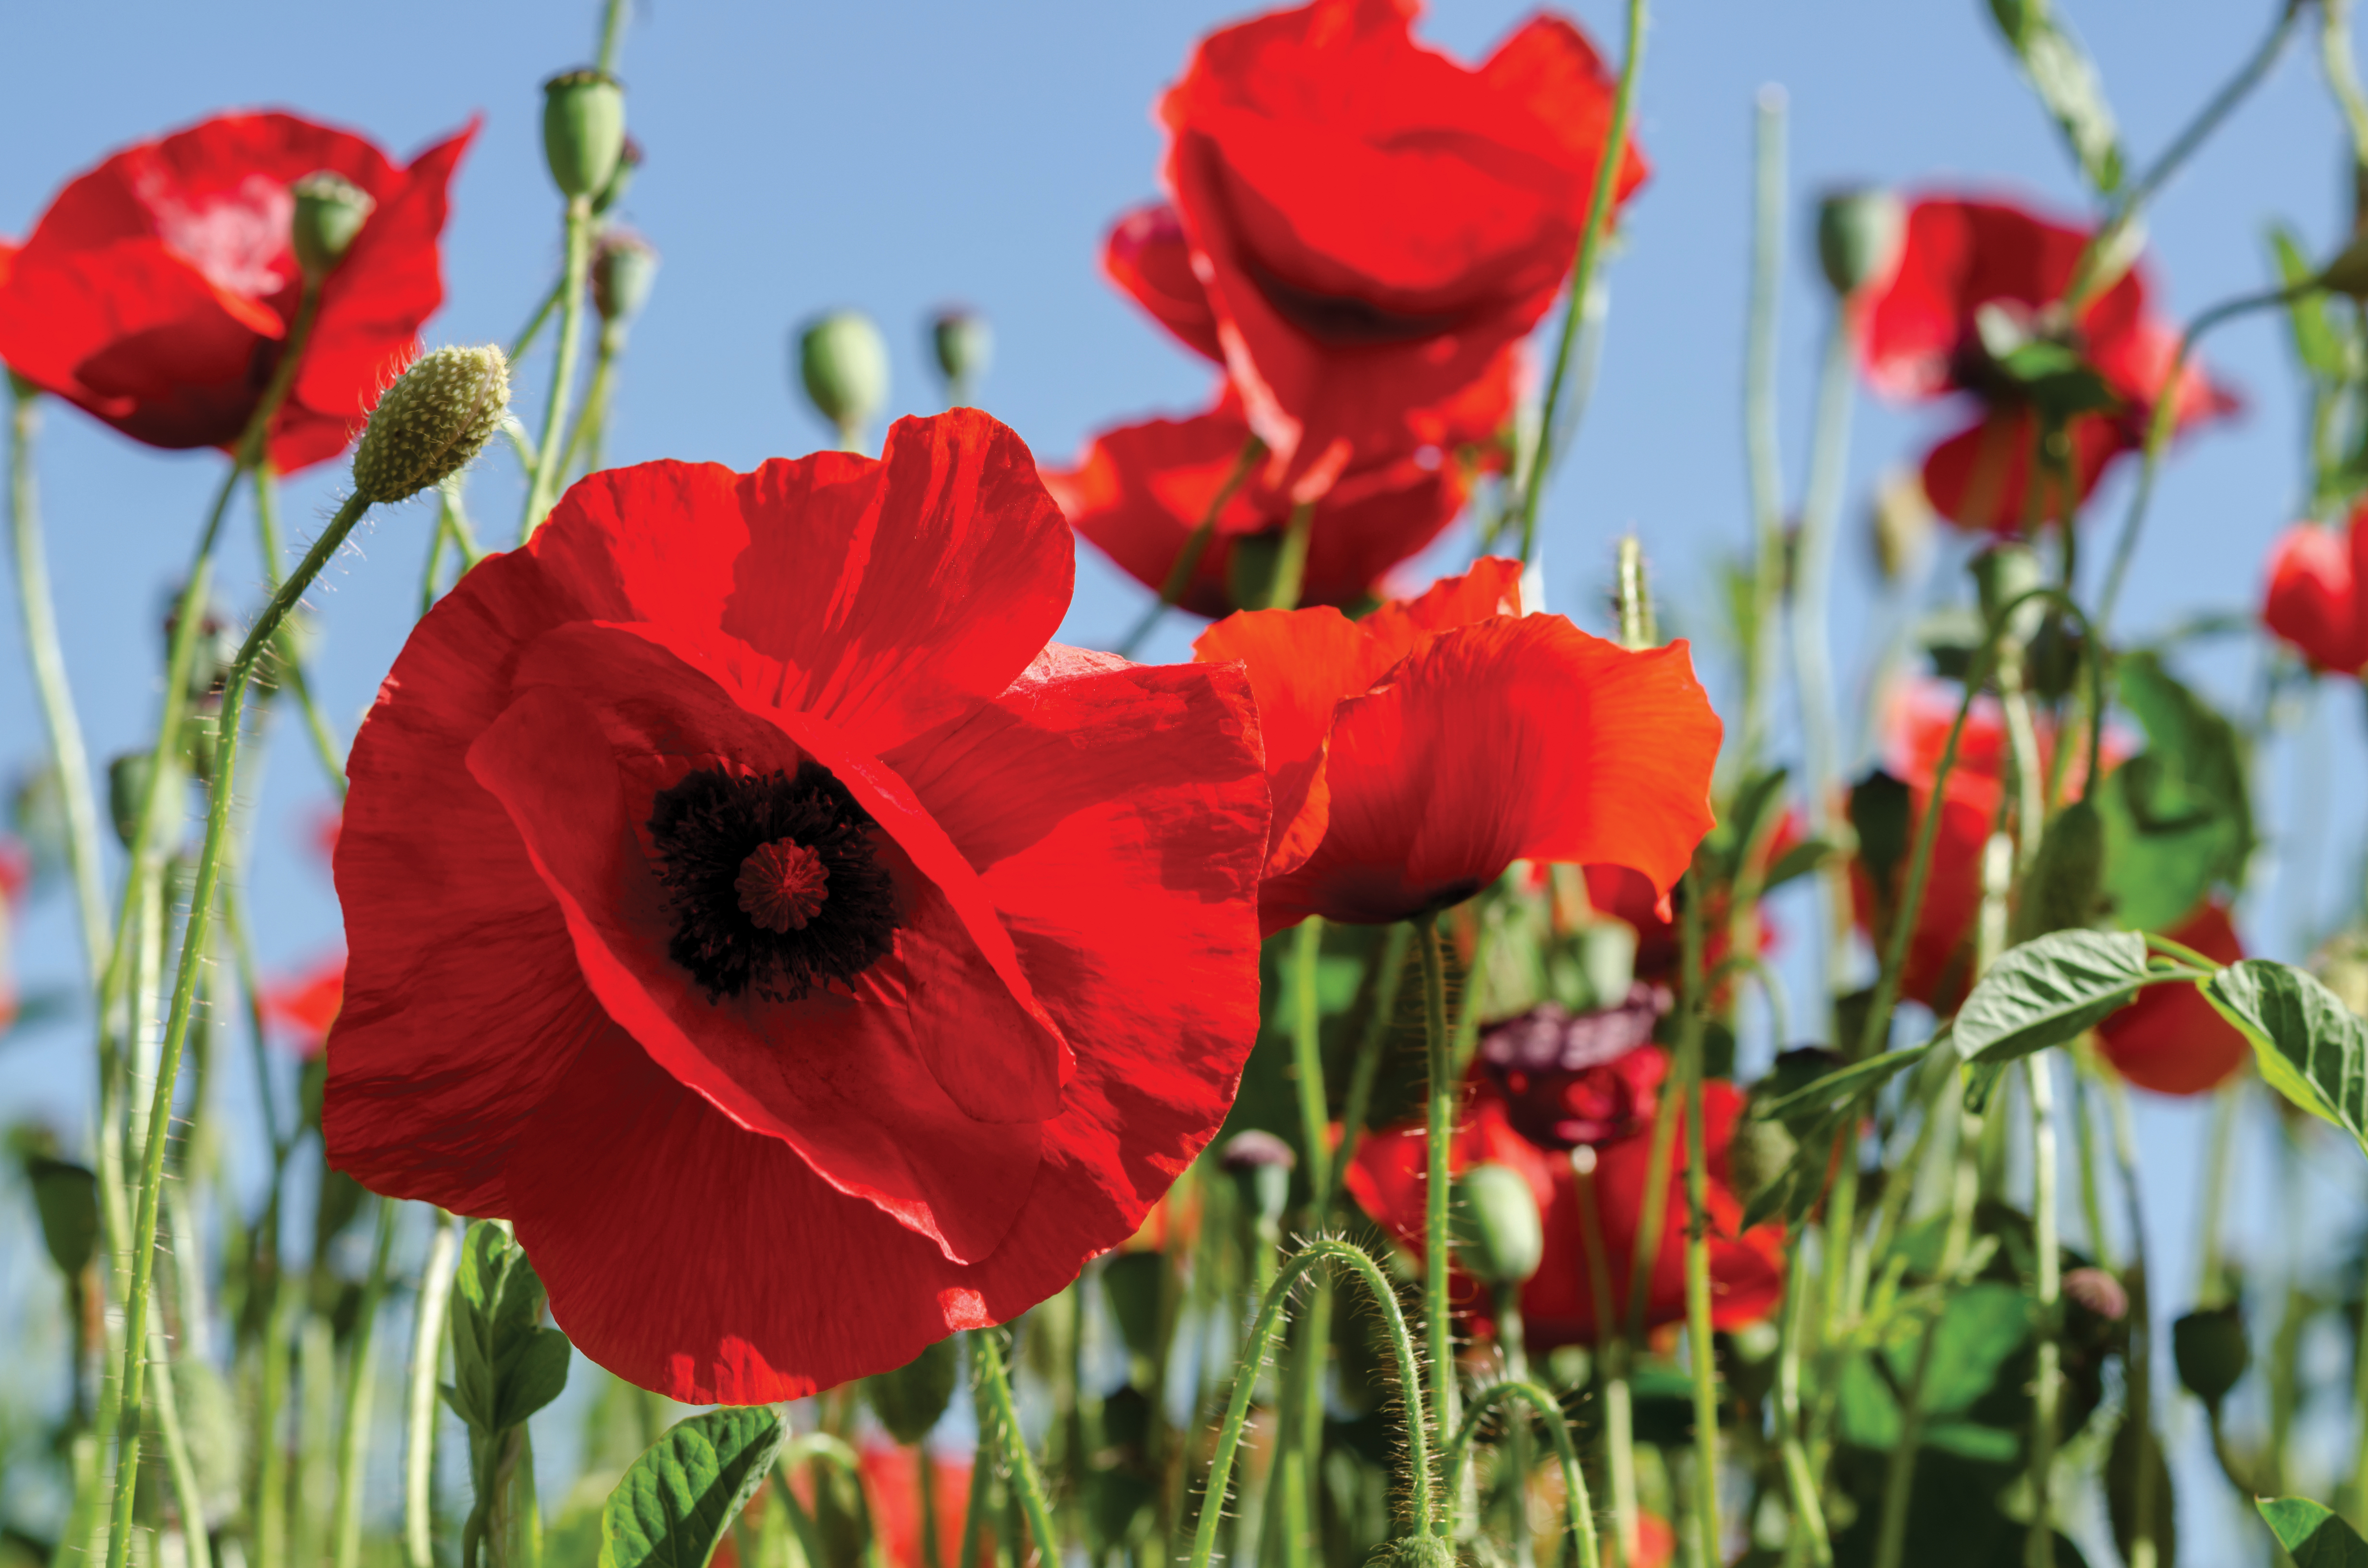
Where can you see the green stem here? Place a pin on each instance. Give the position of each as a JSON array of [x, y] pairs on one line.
[[1253, 1363], [325, 744], [1196, 544], [542, 490], [535, 323], [2343, 75], [1760, 430], [187, 1495], [1700, 1342], [613, 36], [1812, 667], [1290, 560], [1439, 1128], [590, 437], [1611, 1361], [176, 1027], [420, 1407], [354, 1421], [2047, 1387], [47, 655], [1800, 1480], [1368, 1067], [982, 1467], [925, 1505], [2142, 1550], [1578, 1513], [1006, 1415], [271, 1469], [1307, 1057], [2209, 1288], [1582, 272]]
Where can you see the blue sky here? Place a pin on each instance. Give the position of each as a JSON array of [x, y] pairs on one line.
[[894, 157]]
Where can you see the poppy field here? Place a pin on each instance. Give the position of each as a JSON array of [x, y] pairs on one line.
[[1424, 1077]]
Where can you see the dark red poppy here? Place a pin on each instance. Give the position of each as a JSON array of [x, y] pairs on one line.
[[1387, 1178], [746, 900], [2170, 1039], [1569, 1079], [2317, 598], [1416, 753], [159, 289], [1140, 491], [1968, 263], [1373, 224], [303, 1007]]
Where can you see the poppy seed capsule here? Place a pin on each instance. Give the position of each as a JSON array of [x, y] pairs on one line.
[[583, 130], [433, 422], [629, 158], [1859, 234], [2212, 1352], [965, 344], [843, 363], [1498, 1237], [623, 268], [330, 210]]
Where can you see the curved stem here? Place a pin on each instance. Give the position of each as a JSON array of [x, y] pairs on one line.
[[420, 1406], [2160, 427], [47, 655], [1759, 431], [354, 1421], [1253, 1363], [1582, 272], [1006, 1414], [1578, 1511], [176, 1027], [1196, 545], [543, 490], [1439, 1130]]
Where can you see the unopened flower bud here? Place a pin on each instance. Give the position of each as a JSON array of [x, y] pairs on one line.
[[1758, 1155], [127, 788], [330, 210], [67, 1197], [2099, 1291], [2213, 1354], [433, 422], [1859, 234], [1260, 1164], [628, 159], [963, 343], [910, 1400], [583, 130], [843, 362], [623, 268], [1498, 1236]]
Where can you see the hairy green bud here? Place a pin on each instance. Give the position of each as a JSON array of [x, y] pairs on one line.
[[330, 210], [433, 422]]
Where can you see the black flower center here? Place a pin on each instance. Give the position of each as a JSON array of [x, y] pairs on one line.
[[772, 880]]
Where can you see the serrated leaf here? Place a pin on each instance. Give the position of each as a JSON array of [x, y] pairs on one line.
[[2313, 1536], [2311, 1047], [535, 1376], [678, 1499], [2048, 991]]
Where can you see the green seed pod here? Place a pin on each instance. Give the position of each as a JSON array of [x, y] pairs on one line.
[[67, 1196], [628, 159], [1859, 234], [844, 363], [623, 269], [1498, 1236], [2061, 891], [910, 1400], [1260, 1164], [2212, 1351], [433, 422], [127, 783], [583, 130], [963, 343], [330, 210]]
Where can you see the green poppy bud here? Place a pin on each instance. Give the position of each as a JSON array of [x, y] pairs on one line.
[[1260, 1164], [623, 268], [583, 130], [433, 422], [1758, 1155], [127, 784], [330, 210], [963, 343], [1498, 1236], [2003, 574], [2211, 1350], [843, 361], [67, 1196], [1859, 234], [628, 159], [2061, 891], [1421, 1551], [910, 1400]]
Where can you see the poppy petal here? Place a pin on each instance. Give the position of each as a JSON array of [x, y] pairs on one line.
[[1146, 254]]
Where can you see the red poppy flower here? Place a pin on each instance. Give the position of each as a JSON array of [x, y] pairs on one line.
[[2170, 1039], [1140, 491], [158, 289], [1418, 753], [16, 871], [303, 1008], [891, 1485], [746, 900], [1965, 262], [1623, 894], [2317, 599], [1374, 223], [1558, 1303]]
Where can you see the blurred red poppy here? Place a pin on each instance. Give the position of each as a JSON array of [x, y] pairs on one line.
[[1416, 753], [158, 291], [891, 1485], [1558, 1303], [1974, 277], [1139, 492], [16, 869], [2170, 1039], [1373, 223], [1623, 894], [2317, 598], [303, 1007], [789, 910]]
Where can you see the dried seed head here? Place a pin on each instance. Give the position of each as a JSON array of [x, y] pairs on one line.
[[434, 419]]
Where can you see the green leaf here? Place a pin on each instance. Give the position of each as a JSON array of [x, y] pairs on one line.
[[910, 1400], [678, 1499], [534, 1376], [2178, 818], [2313, 1537], [1843, 1084], [2048, 991], [2068, 87], [505, 1365], [2316, 340], [1800, 860], [2311, 1047]]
